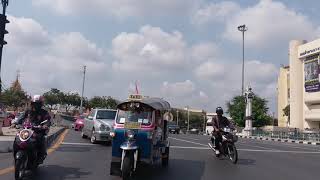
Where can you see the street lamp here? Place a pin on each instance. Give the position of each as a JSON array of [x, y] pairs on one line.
[[242, 28], [83, 81], [177, 117], [188, 126]]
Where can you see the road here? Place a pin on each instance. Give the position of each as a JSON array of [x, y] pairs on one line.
[[190, 159]]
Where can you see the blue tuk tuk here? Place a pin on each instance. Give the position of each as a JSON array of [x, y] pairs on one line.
[[140, 134]]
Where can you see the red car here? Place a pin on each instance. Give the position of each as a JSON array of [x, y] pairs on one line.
[[78, 124]]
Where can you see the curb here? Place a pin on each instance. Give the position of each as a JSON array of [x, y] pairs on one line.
[[50, 139], [280, 140]]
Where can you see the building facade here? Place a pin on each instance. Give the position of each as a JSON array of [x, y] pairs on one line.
[[304, 85], [283, 93]]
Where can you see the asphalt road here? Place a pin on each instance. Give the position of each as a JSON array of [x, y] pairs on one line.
[[190, 159]]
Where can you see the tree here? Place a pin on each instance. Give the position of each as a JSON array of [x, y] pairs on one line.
[[71, 100], [14, 96], [103, 102], [286, 112], [53, 97], [236, 108]]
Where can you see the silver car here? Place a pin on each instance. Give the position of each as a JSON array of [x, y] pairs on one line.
[[98, 124]]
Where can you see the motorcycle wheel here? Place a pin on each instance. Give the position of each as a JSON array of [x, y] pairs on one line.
[[126, 168], [18, 169], [233, 153]]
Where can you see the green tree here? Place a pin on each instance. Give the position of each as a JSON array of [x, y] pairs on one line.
[[71, 100], [53, 97], [286, 112], [103, 102], [14, 96], [236, 109]]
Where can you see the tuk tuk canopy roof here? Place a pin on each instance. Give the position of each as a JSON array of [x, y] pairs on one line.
[[155, 103]]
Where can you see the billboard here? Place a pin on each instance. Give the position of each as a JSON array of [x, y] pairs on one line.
[[311, 74]]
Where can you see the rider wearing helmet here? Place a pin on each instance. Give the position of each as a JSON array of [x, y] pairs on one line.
[[219, 122], [36, 114]]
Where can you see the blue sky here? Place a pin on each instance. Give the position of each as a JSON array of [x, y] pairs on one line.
[[187, 51]]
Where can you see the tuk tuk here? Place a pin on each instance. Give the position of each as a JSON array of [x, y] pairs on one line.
[[140, 134]]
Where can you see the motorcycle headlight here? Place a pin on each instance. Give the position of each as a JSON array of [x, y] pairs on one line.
[[24, 135]]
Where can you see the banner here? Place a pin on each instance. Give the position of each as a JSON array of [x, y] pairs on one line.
[[311, 74]]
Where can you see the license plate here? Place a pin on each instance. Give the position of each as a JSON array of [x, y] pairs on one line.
[[132, 125]]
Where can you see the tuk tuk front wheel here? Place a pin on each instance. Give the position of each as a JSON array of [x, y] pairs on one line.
[[165, 158], [126, 168]]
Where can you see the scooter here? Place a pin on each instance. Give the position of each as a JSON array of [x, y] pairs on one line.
[[25, 151], [227, 146]]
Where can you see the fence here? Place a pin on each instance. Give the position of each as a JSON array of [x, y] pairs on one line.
[[294, 135]]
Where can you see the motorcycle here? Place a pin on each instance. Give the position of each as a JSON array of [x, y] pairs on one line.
[[25, 151], [227, 146]]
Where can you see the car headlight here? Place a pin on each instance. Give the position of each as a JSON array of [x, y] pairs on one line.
[[104, 127]]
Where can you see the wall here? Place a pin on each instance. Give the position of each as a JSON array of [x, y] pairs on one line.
[[283, 86]]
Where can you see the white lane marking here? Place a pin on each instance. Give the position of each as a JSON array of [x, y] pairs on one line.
[[77, 144], [261, 147], [192, 138], [182, 147], [188, 141]]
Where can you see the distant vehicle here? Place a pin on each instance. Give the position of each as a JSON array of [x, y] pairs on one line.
[[173, 128], [194, 131], [79, 123], [98, 125], [209, 127]]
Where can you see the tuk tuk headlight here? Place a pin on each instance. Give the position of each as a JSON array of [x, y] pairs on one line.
[[130, 134]]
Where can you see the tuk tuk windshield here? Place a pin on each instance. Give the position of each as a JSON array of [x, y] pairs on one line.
[[143, 117]]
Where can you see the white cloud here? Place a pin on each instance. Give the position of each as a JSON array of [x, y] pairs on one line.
[[48, 60], [215, 12], [149, 50], [210, 70], [178, 89], [204, 51], [120, 9], [269, 23]]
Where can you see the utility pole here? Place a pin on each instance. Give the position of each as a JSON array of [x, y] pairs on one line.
[[83, 81], [3, 31], [188, 127], [177, 117], [242, 28]]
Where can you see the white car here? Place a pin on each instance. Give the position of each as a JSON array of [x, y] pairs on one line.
[[98, 124]]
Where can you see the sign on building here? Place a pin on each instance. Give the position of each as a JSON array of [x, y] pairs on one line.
[[311, 73]]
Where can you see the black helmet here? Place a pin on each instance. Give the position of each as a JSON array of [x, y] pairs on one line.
[[219, 110]]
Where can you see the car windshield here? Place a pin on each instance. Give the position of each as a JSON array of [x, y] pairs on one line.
[[106, 114], [144, 117]]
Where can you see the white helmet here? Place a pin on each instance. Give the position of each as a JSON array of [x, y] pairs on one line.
[[37, 98]]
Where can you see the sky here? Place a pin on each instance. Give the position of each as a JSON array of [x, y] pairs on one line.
[[186, 51]]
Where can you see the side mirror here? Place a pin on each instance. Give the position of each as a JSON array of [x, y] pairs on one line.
[[168, 116]]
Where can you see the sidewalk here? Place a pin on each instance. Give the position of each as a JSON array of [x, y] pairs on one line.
[[6, 141], [278, 139]]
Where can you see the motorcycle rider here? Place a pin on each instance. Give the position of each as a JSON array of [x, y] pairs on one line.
[[219, 122], [36, 114]]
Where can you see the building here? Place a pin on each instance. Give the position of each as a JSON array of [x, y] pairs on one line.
[[283, 95], [304, 85]]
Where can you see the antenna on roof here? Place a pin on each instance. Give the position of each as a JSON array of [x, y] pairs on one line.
[[137, 90]]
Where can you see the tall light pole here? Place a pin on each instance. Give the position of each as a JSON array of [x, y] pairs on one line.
[[83, 81], [188, 127], [242, 28], [177, 117]]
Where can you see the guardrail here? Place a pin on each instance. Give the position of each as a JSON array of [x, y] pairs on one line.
[[304, 136]]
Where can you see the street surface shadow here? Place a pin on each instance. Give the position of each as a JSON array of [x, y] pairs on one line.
[[247, 162], [55, 172], [177, 169]]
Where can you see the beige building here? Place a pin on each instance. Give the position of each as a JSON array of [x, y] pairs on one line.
[[283, 95], [304, 85]]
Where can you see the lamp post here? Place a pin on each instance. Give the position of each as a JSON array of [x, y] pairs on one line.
[[83, 81], [242, 28], [177, 117]]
